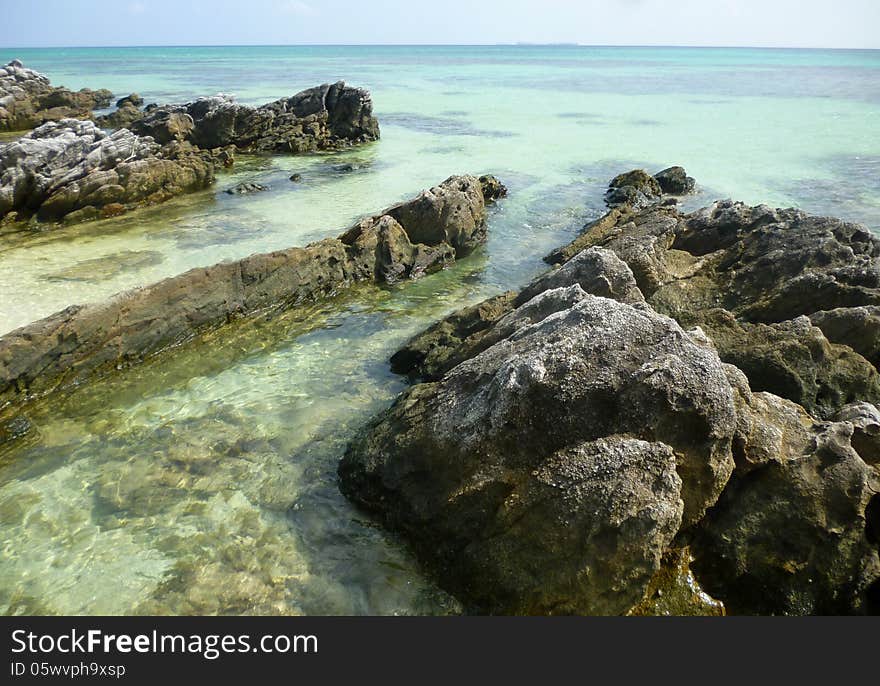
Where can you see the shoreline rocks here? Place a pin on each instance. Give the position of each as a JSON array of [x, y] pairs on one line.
[[71, 170], [326, 117], [634, 335], [28, 99], [85, 341]]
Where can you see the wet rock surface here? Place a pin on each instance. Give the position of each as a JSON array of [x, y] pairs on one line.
[[28, 99], [762, 386], [636, 189], [82, 342]]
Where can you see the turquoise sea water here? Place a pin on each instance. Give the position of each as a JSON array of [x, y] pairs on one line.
[[204, 482]]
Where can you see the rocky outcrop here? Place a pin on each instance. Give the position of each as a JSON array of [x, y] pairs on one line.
[[635, 189], [675, 181], [28, 99], [85, 341], [465, 333], [791, 534], [72, 170], [502, 468], [856, 327], [128, 110], [326, 117], [750, 277], [247, 188], [495, 472]]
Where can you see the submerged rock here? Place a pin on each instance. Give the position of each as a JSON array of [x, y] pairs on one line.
[[73, 170], [247, 188], [321, 118], [493, 189], [28, 99]]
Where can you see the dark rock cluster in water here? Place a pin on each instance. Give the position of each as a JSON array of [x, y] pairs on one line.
[[322, 118], [639, 189], [28, 99], [403, 242], [73, 170], [669, 385], [247, 188]]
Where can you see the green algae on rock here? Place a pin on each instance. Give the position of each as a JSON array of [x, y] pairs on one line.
[[81, 342]]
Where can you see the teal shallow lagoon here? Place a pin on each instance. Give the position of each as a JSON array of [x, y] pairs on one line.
[[205, 482]]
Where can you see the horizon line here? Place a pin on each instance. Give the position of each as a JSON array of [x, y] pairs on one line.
[[517, 44]]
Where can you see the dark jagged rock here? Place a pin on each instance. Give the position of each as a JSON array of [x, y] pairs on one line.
[[493, 189], [322, 118], [72, 170], [127, 111], [438, 349], [789, 534], [247, 188], [28, 99], [475, 467], [85, 341], [449, 213], [730, 268], [132, 99], [296, 178], [634, 189], [675, 181]]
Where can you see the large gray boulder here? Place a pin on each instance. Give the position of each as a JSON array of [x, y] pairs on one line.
[[467, 467], [531, 396]]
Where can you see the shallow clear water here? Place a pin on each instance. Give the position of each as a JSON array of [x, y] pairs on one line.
[[204, 482]]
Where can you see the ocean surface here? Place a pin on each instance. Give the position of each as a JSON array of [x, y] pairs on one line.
[[204, 481]]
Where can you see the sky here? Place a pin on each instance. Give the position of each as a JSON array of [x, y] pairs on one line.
[[763, 23]]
